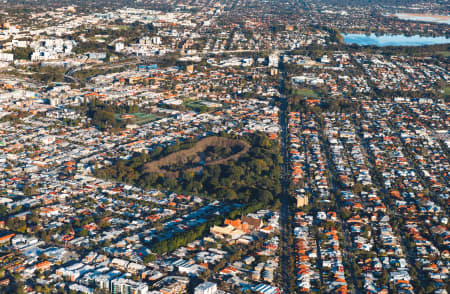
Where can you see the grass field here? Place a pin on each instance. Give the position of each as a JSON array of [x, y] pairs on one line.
[[447, 91], [306, 93], [195, 105], [142, 118]]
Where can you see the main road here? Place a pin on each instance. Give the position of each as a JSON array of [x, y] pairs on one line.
[[287, 246]]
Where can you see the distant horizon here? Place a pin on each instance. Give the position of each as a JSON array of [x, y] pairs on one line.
[[424, 17], [393, 40]]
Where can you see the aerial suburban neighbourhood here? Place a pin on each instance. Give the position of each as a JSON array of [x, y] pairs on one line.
[[212, 146]]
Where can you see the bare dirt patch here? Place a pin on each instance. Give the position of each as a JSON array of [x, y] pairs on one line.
[[208, 151]]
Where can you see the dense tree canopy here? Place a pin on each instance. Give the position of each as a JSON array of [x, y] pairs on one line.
[[253, 178]]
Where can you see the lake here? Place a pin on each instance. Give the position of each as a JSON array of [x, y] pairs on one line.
[[393, 40], [424, 17]]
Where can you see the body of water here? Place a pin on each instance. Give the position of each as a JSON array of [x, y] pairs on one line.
[[424, 17], [393, 40]]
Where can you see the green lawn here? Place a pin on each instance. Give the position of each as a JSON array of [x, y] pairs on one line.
[[445, 53], [143, 118], [306, 93], [195, 105], [447, 91]]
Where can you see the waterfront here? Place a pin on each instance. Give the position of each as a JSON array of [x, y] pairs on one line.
[[424, 17], [393, 40]]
